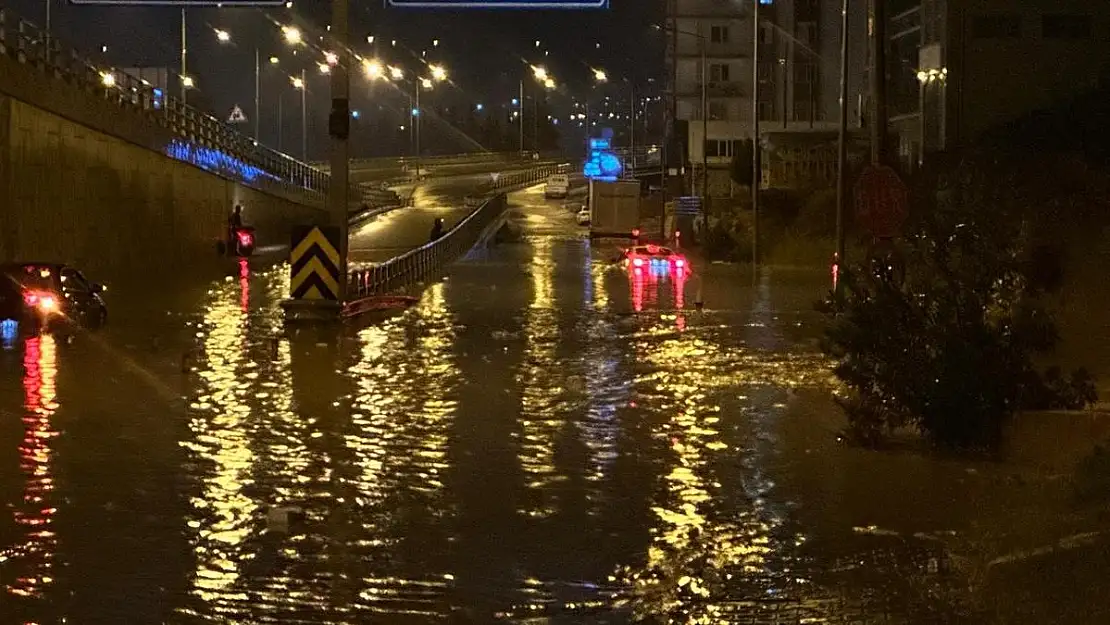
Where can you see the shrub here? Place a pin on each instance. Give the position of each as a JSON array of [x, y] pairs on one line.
[[942, 333]]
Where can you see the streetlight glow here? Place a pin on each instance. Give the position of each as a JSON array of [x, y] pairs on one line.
[[188, 81], [396, 73], [274, 60], [223, 36], [331, 58], [297, 83], [600, 75], [435, 43], [373, 68], [439, 73], [369, 38], [324, 68], [549, 83], [540, 73], [426, 83], [292, 34], [107, 79]]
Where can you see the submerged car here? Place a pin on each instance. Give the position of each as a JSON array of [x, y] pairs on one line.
[[583, 216], [45, 295], [648, 256]]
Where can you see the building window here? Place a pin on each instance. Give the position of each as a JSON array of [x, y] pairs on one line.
[[805, 73], [718, 72], [718, 111], [807, 32], [803, 111], [718, 34], [718, 148], [766, 111], [996, 26], [766, 33], [766, 71], [1066, 26]]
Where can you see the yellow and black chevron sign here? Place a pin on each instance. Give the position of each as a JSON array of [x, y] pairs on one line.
[[315, 263]]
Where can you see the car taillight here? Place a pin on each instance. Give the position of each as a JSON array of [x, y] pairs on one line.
[[636, 233], [45, 302], [245, 238], [679, 263], [639, 262]]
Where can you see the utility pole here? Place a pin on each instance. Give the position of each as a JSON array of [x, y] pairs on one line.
[[340, 124], [49, 52], [632, 126], [184, 59], [704, 130], [842, 144], [416, 126], [257, 93], [757, 167], [877, 18], [521, 117], [304, 118]]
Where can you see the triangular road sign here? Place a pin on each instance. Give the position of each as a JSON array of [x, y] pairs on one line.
[[236, 116]]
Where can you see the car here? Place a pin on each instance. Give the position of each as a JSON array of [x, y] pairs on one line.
[[641, 257], [42, 296], [583, 216], [558, 185]]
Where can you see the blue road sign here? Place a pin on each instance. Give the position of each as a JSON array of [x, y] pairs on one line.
[[498, 4]]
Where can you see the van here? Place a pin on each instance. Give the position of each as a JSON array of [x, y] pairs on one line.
[[557, 186]]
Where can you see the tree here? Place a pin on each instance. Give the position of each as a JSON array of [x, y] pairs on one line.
[[942, 334], [740, 169]]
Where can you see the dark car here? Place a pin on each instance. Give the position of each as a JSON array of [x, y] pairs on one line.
[[44, 295]]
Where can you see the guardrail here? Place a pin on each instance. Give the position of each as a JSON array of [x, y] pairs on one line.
[[416, 264], [217, 143], [397, 162]]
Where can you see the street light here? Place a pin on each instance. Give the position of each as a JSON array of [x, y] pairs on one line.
[[324, 68], [539, 72], [292, 35], [331, 58], [188, 82], [223, 36], [108, 79], [600, 75], [274, 60], [396, 73], [299, 83], [438, 72], [373, 68]]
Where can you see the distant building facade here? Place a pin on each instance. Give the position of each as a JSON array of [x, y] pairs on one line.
[[957, 68], [799, 76]]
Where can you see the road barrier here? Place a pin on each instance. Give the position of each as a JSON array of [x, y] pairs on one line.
[[205, 140], [416, 265]]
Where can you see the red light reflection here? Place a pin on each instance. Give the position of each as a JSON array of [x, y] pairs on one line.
[[36, 514], [244, 285]]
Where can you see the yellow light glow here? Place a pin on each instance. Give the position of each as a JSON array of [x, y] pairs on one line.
[[291, 34], [426, 83], [188, 82], [373, 68], [438, 72], [396, 73], [324, 68], [298, 83], [223, 36], [549, 83], [331, 58], [540, 73], [274, 60], [600, 75], [107, 79]]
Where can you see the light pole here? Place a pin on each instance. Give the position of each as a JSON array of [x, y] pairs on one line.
[[757, 167], [521, 115], [184, 60], [842, 143], [299, 83], [544, 78]]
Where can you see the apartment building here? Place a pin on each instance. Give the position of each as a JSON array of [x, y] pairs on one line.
[[798, 79], [958, 68]]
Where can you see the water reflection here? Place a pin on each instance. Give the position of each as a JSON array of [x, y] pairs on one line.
[[539, 416], [220, 439], [35, 515]]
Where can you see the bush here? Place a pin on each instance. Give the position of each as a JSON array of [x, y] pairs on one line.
[[942, 333]]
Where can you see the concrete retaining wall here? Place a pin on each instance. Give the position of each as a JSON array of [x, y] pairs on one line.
[[73, 194]]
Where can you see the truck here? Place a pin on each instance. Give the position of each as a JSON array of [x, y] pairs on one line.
[[614, 209]]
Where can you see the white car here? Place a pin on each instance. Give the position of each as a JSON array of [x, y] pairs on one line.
[[558, 185], [583, 217]]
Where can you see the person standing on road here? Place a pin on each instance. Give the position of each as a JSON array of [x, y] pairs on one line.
[[234, 223], [437, 229]]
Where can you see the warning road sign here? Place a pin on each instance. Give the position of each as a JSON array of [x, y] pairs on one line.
[[236, 116], [315, 264]]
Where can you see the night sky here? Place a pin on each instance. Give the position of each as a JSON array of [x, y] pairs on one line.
[[484, 50]]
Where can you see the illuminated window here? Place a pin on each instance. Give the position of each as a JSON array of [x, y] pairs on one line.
[[1066, 26]]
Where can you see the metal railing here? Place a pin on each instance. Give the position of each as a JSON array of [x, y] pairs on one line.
[[398, 162], [417, 264], [206, 137]]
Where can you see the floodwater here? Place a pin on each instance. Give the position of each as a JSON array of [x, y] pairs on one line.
[[543, 438]]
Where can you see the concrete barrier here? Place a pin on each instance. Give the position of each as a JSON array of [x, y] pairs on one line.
[[74, 194]]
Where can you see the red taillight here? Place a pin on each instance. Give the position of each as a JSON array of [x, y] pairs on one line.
[[245, 238], [636, 233], [638, 262], [679, 263], [45, 302], [31, 299]]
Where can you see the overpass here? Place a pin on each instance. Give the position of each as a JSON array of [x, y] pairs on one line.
[[101, 170]]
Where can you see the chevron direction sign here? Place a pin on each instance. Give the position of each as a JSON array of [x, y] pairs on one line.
[[314, 264]]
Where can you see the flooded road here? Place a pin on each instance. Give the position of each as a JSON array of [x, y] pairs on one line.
[[545, 437]]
